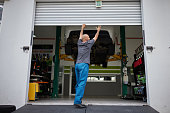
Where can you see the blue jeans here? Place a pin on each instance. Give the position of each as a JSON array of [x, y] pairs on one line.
[[81, 70]]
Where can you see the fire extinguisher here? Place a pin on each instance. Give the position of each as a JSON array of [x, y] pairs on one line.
[[125, 76]]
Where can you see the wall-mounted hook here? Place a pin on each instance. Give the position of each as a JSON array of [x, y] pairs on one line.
[[25, 48], [150, 48]]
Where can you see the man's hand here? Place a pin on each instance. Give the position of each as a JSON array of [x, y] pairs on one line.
[[83, 26], [97, 34], [98, 28]]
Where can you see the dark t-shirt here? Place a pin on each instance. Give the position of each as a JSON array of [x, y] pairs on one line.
[[84, 51]]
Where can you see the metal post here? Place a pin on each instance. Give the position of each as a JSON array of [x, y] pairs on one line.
[[123, 58], [57, 63]]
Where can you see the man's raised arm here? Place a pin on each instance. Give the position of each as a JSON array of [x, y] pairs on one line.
[[97, 34], [82, 28]]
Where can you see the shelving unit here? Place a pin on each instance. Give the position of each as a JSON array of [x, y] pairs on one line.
[[41, 69], [139, 74]]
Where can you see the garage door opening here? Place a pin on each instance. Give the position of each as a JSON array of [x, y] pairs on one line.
[[117, 59], [106, 83]]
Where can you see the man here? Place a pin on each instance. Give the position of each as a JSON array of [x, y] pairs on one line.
[[82, 64]]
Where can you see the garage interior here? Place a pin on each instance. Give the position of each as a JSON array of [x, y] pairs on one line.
[[117, 59], [105, 81]]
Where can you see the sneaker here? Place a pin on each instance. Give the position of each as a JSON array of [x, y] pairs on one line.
[[80, 105]]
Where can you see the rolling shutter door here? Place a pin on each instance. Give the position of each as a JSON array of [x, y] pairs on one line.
[[77, 13]]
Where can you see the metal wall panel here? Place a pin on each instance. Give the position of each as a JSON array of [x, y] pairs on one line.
[[77, 13]]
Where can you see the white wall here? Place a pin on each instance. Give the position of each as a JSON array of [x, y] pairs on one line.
[[16, 27], [157, 33]]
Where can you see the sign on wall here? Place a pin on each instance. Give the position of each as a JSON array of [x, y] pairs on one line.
[[98, 3]]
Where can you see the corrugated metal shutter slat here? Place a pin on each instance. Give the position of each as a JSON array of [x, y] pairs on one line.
[[111, 13]]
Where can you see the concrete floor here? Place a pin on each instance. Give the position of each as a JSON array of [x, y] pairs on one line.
[[88, 101]]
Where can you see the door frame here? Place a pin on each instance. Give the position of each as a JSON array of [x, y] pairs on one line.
[[30, 52]]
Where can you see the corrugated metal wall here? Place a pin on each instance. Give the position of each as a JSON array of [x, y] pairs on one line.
[[77, 13]]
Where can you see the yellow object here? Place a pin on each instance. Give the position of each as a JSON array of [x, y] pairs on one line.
[[114, 58], [33, 89], [37, 87], [65, 57]]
